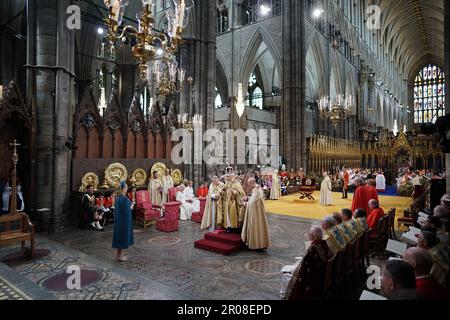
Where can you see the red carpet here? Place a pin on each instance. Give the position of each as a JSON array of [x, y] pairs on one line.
[[222, 243]]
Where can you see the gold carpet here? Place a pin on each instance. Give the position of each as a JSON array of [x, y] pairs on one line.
[[292, 206]]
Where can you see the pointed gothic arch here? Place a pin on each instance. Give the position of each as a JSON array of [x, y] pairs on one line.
[[249, 62], [315, 69]]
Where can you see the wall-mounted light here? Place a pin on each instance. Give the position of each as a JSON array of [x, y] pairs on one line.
[[240, 106], [317, 12], [265, 10], [100, 30]]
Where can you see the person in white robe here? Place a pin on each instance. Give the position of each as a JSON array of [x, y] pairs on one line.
[[326, 196], [190, 189], [167, 184], [381, 182], [186, 208], [275, 190], [212, 206], [189, 204]]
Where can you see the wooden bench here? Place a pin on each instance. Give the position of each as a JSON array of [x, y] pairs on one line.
[[24, 232]]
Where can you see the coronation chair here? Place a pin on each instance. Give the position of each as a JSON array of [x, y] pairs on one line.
[[146, 213], [307, 189]]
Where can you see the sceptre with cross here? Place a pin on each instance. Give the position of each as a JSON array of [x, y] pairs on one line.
[[15, 159]]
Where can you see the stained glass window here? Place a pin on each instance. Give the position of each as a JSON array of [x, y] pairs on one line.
[[429, 94]]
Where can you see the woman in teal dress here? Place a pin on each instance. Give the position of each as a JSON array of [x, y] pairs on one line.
[[123, 223]]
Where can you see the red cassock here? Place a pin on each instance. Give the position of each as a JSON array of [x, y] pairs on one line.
[[111, 201], [101, 202], [363, 195], [429, 289], [202, 192], [373, 217], [346, 180]]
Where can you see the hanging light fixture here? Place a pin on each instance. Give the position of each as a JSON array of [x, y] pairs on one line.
[[395, 130], [240, 106], [335, 110], [150, 45], [102, 102]]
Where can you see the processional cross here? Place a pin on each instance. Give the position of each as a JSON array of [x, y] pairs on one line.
[[15, 159]]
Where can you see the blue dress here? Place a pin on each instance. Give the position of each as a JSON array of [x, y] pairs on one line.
[[123, 224]]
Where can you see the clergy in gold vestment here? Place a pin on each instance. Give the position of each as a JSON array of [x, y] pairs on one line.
[[213, 205], [155, 189], [275, 191], [231, 215], [167, 184], [255, 231]]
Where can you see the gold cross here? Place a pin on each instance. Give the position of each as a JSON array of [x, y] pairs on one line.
[[15, 145], [15, 156]]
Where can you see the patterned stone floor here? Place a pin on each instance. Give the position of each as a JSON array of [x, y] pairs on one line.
[[165, 266], [8, 291]]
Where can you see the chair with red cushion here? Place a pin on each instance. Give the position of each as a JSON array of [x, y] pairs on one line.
[[146, 213], [173, 194], [198, 216], [169, 223]]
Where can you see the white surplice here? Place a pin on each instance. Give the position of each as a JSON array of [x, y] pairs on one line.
[[381, 182]]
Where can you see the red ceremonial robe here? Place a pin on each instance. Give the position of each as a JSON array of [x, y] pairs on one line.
[[373, 217], [363, 195], [429, 289], [202, 192]]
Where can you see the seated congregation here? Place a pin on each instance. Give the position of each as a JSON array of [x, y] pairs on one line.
[[341, 247]]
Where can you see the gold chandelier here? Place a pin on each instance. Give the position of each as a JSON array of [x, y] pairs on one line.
[[154, 50], [335, 110], [188, 123]]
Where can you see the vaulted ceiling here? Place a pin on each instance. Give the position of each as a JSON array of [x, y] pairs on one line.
[[412, 33]]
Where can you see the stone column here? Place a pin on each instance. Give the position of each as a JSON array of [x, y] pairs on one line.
[[50, 82], [293, 142], [201, 66], [128, 86], [447, 77]]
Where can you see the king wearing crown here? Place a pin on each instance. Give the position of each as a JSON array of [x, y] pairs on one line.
[[231, 216]]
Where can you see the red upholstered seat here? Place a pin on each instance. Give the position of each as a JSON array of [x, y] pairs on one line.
[[173, 194], [146, 213], [198, 216], [169, 223]]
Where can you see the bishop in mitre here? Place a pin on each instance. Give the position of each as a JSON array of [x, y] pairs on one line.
[[213, 205], [255, 231], [275, 190], [231, 215], [155, 189], [167, 184]]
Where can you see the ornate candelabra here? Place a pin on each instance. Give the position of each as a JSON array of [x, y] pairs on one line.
[[335, 110], [189, 123], [154, 50]]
